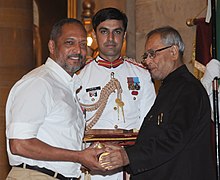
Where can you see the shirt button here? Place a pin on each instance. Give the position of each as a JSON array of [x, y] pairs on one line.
[[134, 98], [116, 126], [115, 108]]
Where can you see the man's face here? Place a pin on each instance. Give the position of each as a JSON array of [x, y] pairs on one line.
[[70, 49], [164, 62], [110, 35]]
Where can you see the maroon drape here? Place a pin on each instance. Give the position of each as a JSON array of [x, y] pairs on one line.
[[203, 41]]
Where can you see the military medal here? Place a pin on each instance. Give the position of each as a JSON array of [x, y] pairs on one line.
[[133, 83], [134, 86]]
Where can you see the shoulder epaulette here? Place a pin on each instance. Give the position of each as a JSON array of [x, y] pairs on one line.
[[88, 60], [133, 61]]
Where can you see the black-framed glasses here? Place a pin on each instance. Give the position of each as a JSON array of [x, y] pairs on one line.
[[152, 53]]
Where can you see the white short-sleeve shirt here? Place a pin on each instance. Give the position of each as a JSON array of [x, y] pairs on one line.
[[43, 105]]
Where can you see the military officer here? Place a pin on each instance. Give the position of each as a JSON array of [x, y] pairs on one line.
[[117, 92]]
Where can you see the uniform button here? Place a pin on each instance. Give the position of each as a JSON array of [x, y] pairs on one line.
[[93, 99], [116, 126], [115, 108], [134, 98]]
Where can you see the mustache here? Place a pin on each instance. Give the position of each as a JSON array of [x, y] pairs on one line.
[[110, 43], [75, 56]]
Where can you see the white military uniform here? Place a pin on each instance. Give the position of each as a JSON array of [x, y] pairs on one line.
[[212, 70], [138, 95]]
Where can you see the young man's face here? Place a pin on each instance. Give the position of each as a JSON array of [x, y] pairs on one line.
[[110, 36], [70, 49]]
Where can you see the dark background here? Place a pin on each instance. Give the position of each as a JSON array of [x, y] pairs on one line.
[[49, 13]]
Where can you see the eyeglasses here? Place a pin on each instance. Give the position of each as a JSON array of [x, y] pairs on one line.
[[152, 53]]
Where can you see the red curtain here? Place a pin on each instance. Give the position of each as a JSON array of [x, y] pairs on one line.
[[203, 41]]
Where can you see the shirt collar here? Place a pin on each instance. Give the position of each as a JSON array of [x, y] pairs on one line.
[[62, 74]]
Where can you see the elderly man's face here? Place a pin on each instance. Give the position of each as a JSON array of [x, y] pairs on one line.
[[161, 63]]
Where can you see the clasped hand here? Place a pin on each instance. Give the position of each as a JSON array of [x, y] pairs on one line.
[[114, 157], [104, 157]]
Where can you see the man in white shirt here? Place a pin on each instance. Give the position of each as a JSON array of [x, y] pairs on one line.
[[117, 92], [44, 121]]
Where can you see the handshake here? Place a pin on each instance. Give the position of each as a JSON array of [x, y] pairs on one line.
[[113, 157]]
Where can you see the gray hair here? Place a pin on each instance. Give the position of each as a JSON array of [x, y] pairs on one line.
[[169, 36]]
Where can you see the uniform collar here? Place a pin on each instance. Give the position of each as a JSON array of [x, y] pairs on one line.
[[107, 64]]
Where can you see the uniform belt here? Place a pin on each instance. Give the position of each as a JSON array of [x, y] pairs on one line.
[[46, 171]]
